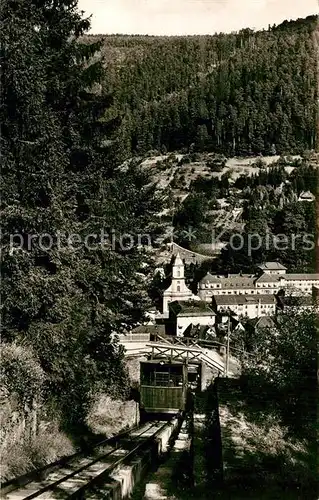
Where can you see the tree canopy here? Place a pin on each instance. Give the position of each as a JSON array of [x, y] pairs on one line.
[[65, 289], [280, 368]]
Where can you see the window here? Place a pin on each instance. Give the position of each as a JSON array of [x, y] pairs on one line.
[[161, 379], [178, 274], [178, 288]]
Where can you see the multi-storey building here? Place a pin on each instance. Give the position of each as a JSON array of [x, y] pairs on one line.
[[270, 279], [249, 306]]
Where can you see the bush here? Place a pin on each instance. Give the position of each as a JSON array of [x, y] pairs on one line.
[[172, 157], [21, 372], [195, 157], [217, 163], [48, 446], [306, 155], [260, 163], [108, 416], [186, 159]]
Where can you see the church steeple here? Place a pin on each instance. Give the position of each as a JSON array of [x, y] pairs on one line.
[[178, 268], [178, 289]]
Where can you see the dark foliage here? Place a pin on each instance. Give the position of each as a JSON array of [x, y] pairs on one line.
[[234, 93], [64, 291]]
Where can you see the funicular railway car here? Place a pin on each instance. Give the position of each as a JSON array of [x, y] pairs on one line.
[[163, 387]]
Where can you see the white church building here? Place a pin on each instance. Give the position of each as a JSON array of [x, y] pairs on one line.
[[178, 290]]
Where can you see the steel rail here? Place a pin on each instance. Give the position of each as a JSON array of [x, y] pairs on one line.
[[25, 479], [80, 469], [95, 481]]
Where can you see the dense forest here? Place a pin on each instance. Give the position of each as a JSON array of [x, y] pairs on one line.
[[238, 93]]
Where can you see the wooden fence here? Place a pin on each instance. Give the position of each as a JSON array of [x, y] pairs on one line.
[[135, 337]]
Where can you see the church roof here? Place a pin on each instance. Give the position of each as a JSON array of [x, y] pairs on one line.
[[178, 261]]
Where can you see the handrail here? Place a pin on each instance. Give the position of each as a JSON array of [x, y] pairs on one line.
[[135, 337]]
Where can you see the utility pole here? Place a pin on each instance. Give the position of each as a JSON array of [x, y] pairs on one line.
[[227, 347]]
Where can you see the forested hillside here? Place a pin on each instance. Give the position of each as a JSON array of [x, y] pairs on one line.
[[234, 93]]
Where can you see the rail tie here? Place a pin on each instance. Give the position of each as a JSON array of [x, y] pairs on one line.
[[78, 478]]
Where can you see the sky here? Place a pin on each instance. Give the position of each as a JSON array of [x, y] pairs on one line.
[[188, 17]]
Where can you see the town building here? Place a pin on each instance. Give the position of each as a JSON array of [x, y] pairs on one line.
[[271, 278], [241, 295], [291, 304], [192, 313], [249, 306], [236, 284], [272, 268]]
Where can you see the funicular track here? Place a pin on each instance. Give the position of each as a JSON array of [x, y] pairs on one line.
[[75, 476]]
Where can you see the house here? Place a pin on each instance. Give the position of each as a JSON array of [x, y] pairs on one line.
[[250, 306], [269, 283], [262, 322], [306, 196], [294, 303], [272, 268], [250, 295], [226, 320], [151, 314], [182, 314], [200, 332], [149, 329]]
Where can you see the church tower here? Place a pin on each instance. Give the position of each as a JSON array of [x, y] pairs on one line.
[[178, 289], [178, 275]]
